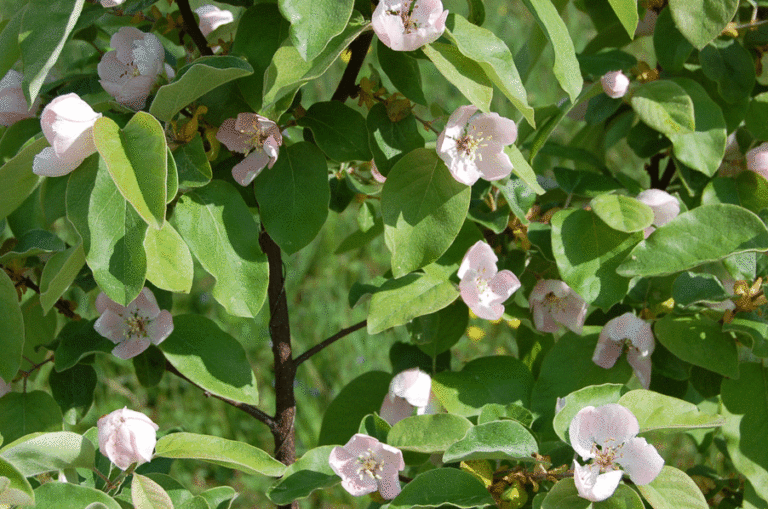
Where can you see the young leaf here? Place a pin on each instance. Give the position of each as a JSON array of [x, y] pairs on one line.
[[428, 433], [463, 72], [314, 24], [495, 440], [169, 262], [147, 494], [16, 489], [50, 452]]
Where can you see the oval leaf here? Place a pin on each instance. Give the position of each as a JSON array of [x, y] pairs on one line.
[[22, 413], [658, 411], [59, 273], [700, 21], [443, 487], [673, 489], [339, 131], [18, 179], [463, 72], [169, 262], [14, 487], [622, 212], [62, 495], [664, 106], [315, 23], [13, 329], [147, 494], [309, 473], [495, 440], [428, 433]]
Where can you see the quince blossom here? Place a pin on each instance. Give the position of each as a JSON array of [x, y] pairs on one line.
[[409, 389], [5, 388], [111, 3], [615, 84], [13, 104], [130, 70], [134, 327], [127, 437], [483, 288], [211, 18], [665, 207], [608, 434], [365, 465], [67, 123], [554, 302], [406, 25], [255, 134], [636, 334], [757, 160], [472, 145]]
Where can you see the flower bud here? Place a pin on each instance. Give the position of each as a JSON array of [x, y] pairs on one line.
[[615, 84], [757, 160], [111, 3], [13, 104], [211, 18], [127, 437]]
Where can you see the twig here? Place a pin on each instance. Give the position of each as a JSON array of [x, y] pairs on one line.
[[347, 87], [342, 333], [61, 305], [426, 124], [192, 29]]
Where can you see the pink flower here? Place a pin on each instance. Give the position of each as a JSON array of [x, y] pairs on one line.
[[482, 287], [67, 123], [406, 25], [111, 3], [608, 434], [636, 334], [615, 84], [251, 133], [472, 145], [134, 327], [130, 70], [13, 104], [5, 388], [757, 160], [554, 302], [409, 389], [365, 465], [211, 18], [665, 207], [127, 437]]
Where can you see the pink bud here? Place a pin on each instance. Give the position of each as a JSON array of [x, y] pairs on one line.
[[665, 207], [647, 25], [211, 18], [127, 437], [632, 332], [13, 104], [365, 465], [757, 160], [405, 27], [410, 389], [615, 84]]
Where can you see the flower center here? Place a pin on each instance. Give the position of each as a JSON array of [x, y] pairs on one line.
[[369, 465], [406, 16], [136, 326], [553, 301], [469, 143], [604, 457]]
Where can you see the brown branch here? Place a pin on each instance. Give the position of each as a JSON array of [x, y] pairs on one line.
[[190, 26], [248, 409], [61, 305], [347, 86], [342, 333]]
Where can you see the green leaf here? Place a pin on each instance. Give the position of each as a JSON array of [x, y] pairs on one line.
[[147, 494], [463, 72], [77, 340], [591, 395], [700, 21], [136, 158], [522, 169], [673, 489], [12, 341], [294, 195], [360, 397], [73, 389], [210, 358], [33, 243], [438, 332], [195, 80], [476, 14], [423, 208], [566, 66], [169, 262], [745, 407], [495, 440], [260, 32], [665, 106], [339, 131], [14, 488], [18, 181], [197, 502], [48, 452], [694, 238], [390, 141], [403, 72], [622, 213], [656, 411], [671, 47], [755, 120], [597, 64], [22, 413], [564, 495], [690, 288], [700, 341], [494, 379], [9, 41], [59, 273], [443, 487], [732, 67], [314, 24], [45, 28], [62, 495], [288, 71], [755, 327], [399, 301], [309, 473], [192, 164], [220, 497], [703, 149], [626, 11], [16, 136], [219, 451], [220, 231], [587, 252], [172, 182], [494, 57], [374, 426], [111, 230], [428, 433]]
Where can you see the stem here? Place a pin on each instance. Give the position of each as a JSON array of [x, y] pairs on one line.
[[283, 431], [192, 29], [61, 305], [426, 124], [315, 349], [666, 178], [359, 48]]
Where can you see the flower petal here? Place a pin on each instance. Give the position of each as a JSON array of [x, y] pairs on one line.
[[593, 485], [412, 384], [160, 328], [232, 138], [394, 409], [249, 168], [480, 258], [130, 348], [641, 364], [640, 460], [112, 326]]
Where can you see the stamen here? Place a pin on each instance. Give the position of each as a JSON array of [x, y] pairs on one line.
[[369, 465]]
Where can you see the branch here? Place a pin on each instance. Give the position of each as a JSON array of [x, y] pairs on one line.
[[190, 26], [359, 48], [249, 409], [61, 305], [343, 332]]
